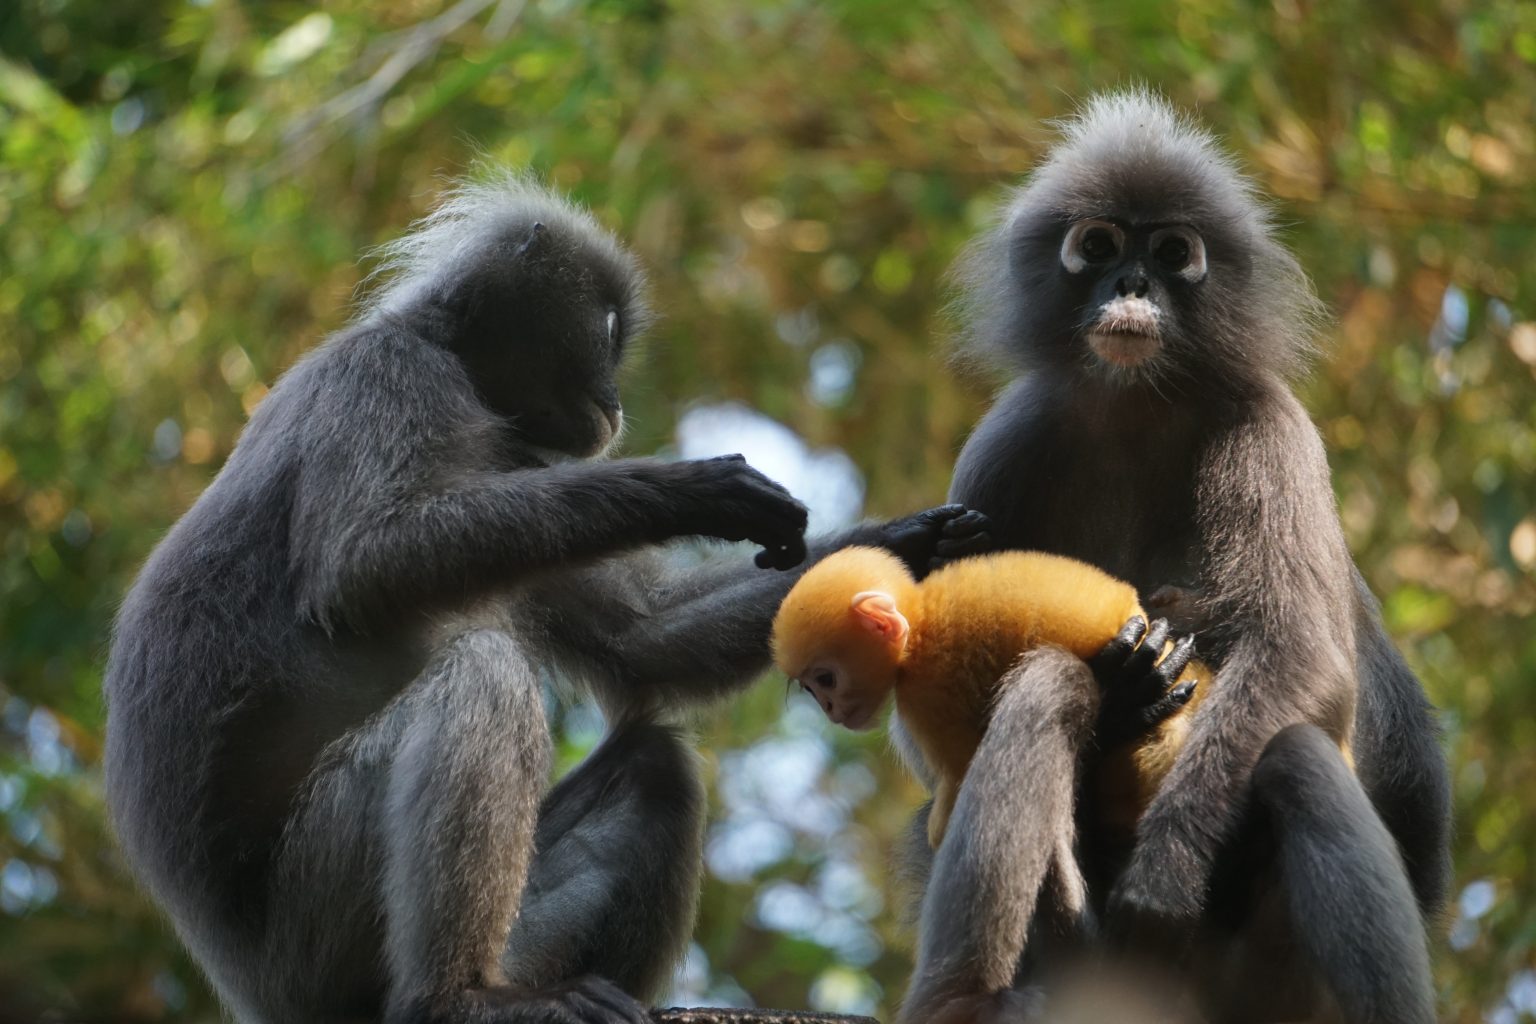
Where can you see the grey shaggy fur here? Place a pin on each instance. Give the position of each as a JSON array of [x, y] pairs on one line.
[[470, 218], [326, 745], [1266, 875], [1132, 156]]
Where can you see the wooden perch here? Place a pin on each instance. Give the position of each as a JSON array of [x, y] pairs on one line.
[[728, 1015]]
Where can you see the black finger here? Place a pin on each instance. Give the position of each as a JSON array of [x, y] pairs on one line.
[[939, 513], [959, 547], [1145, 657], [770, 494], [1171, 667], [774, 558], [1110, 659], [967, 522], [782, 514], [1131, 633], [1180, 695], [1161, 710]]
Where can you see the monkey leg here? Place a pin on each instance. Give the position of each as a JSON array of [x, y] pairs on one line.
[[456, 832], [1400, 762], [614, 883], [1350, 906], [1011, 828], [402, 870]]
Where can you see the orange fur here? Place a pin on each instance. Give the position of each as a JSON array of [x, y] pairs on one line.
[[968, 622]]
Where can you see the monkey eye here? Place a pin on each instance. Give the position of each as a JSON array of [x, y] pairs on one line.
[[1181, 250], [825, 679], [1090, 242], [613, 326]]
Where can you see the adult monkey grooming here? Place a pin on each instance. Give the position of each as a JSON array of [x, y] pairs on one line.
[[326, 743], [1136, 285]]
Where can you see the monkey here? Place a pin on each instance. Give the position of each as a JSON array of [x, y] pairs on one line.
[[326, 742], [1153, 323], [858, 628]]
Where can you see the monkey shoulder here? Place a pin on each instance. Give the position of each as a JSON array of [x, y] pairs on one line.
[[1016, 445], [1267, 439], [389, 378]]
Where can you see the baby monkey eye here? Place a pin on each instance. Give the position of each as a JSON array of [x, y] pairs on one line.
[[825, 680]]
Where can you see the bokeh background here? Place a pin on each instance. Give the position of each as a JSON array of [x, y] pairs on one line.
[[186, 186]]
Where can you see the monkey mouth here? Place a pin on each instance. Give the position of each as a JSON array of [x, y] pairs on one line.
[[610, 424], [1126, 333], [856, 718]]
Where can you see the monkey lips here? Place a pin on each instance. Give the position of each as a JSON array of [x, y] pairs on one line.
[[1126, 333], [857, 717]]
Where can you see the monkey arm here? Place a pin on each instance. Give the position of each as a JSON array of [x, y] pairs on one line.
[[1280, 577], [694, 632], [1011, 825], [408, 493], [484, 529]]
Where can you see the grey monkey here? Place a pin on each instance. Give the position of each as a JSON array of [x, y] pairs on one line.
[[326, 742], [1154, 324]]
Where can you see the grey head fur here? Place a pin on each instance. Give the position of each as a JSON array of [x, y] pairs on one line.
[[1130, 157], [488, 208]]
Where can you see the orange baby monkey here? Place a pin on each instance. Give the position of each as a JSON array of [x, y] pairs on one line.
[[857, 627]]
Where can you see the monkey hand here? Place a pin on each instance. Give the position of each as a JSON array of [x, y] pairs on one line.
[[726, 498], [1138, 689], [928, 539]]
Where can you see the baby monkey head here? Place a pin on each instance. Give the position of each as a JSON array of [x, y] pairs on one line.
[[537, 301], [1137, 254], [843, 630]]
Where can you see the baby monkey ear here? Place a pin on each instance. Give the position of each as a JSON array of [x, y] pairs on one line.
[[876, 612]]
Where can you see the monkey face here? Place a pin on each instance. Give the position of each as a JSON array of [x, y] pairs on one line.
[[846, 701], [1133, 279], [1139, 256], [543, 330], [558, 385]]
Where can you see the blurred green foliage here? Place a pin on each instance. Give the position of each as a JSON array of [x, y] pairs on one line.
[[184, 187]]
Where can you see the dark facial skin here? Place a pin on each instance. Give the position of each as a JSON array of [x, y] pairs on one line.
[[549, 366]]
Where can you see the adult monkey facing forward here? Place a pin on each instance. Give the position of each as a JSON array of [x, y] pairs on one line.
[[326, 742], [1136, 286]]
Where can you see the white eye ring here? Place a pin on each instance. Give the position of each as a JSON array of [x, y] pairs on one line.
[[613, 325], [1072, 258], [1195, 269]]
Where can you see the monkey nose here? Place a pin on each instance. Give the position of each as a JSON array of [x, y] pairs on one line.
[[1135, 283]]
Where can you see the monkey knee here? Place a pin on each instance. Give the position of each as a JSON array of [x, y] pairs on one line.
[[1048, 685], [485, 680], [1298, 756]]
